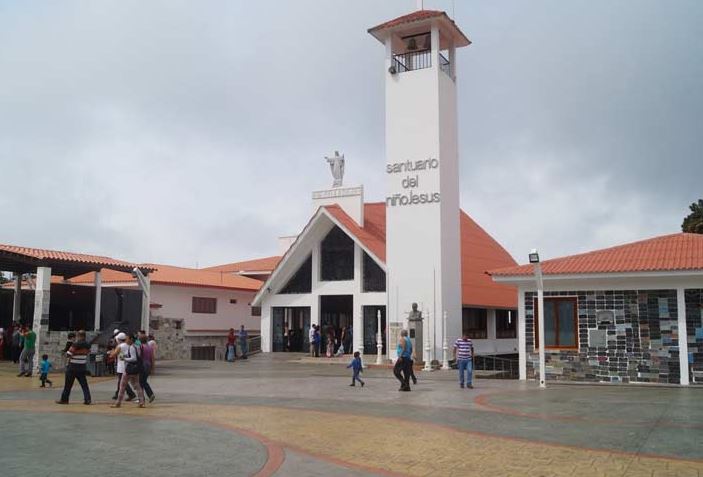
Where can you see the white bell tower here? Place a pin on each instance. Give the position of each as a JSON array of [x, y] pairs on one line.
[[423, 253]]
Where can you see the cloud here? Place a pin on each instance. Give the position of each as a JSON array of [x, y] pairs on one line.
[[194, 133]]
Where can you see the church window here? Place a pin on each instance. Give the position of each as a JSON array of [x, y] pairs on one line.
[[374, 276], [336, 256], [301, 281], [474, 323]]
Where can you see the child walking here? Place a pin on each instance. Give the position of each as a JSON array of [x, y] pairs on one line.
[[357, 368], [44, 368]]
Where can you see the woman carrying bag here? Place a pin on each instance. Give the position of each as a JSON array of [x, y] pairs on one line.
[[133, 367]]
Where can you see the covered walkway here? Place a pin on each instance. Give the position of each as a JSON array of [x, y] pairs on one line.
[[37, 267]]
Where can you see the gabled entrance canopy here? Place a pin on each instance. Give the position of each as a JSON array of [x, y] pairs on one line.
[[324, 219]]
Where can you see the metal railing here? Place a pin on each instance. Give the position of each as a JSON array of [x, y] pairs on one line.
[[412, 60], [254, 344], [504, 368], [444, 65]]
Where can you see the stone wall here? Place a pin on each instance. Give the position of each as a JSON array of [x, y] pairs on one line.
[[53, 344], [694, 326], [169, 334], [641, 339], [174, 342]]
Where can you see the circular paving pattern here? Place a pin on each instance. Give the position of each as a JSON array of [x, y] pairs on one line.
[[122, 443]]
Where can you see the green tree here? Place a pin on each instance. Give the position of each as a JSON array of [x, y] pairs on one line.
[[693, 223]]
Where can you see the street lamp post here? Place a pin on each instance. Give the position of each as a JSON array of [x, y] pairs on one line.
[[426, 332], [534, 260], [445, 348]]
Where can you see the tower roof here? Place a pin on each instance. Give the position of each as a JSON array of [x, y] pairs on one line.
[[421, 17]]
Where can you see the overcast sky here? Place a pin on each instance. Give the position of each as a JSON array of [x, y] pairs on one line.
[[189, 133]]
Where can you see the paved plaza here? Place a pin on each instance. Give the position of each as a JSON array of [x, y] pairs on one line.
[[276, 415]]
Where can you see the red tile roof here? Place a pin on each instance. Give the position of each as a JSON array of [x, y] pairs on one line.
[[373, 234], [266, 264], [675, 252], [479, 253], [418, 16], [58, 258], [170, 275], [409, 18]]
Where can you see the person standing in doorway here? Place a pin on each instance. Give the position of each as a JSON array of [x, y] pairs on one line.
[[348, 341], [27, 355], [76, 370], [16, 339], [330, 342], [147, 354], [463, 354], [311, 340], [119, 353], [243, 343], [154, 349], [402, 370], [317, 339]]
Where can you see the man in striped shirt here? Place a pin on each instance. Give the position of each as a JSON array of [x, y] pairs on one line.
[[77, 359], [463, 354]]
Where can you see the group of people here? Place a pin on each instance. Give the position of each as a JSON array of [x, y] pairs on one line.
[[403, 369], [18, 343], [233, 339], [337, 341], [134, 358]]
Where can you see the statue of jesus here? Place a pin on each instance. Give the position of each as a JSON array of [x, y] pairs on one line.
[[337, 167]]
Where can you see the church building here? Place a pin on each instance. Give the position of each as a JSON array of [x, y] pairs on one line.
[[361, 266]]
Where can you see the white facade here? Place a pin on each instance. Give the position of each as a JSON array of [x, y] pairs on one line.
[[176, 302], [422, 167], [309, 245]]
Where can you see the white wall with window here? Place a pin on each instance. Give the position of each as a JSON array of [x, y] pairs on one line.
[[206, 309], [493, 331]]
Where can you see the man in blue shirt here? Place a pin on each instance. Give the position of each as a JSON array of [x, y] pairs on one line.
[[402, 369]]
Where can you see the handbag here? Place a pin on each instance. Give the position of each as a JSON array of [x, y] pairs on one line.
[[133, 367]]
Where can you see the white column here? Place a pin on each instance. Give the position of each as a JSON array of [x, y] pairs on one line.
[[491, 324], [17, 298], [42, 298], [358, 331], [434, 38], [315, 284], [683, 335], [358, 323], [146, 300], [98, 300], [379, 338], [521, 338], [452, 61]]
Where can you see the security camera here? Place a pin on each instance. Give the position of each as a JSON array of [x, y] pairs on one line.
[[392, 70]]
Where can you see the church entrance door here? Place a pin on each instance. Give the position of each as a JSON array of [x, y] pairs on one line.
[[336, 316]]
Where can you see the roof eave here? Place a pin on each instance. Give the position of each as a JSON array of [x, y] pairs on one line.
[[517, 279]]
